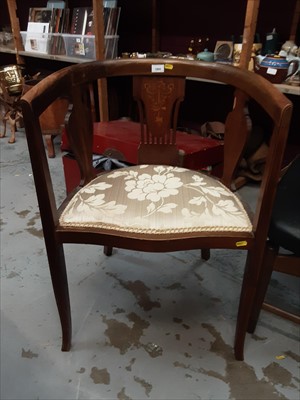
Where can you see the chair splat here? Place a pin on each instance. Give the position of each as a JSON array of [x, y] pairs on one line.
[[79, 127], [158, 99]]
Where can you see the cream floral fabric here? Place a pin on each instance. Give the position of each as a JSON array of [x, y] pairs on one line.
[[156, 199]]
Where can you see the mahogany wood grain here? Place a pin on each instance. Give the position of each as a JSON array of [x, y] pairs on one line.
[[74, 82]]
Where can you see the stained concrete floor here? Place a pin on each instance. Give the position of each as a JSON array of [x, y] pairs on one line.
[[145, 326]]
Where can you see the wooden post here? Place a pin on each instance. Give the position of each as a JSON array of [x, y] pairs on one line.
[[295, 21], [155, 27], [249, 32], [248, 37], [15, 27], [100, 48]]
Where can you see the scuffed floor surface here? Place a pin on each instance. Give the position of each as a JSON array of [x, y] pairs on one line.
[[145, 326]]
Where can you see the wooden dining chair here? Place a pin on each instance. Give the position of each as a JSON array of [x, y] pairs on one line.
[[157, 205], [282, 249]]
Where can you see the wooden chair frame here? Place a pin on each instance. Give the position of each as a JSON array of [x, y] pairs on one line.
[[73, 82]]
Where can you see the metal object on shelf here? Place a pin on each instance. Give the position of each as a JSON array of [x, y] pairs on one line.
[[11, 78], [11, 89]]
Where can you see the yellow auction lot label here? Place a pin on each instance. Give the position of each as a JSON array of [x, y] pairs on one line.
[[159, 68], [242, 243]]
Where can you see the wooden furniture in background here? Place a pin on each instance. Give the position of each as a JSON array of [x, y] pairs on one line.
[[52, 122], [99, 45], [11, 90], [10, 112]]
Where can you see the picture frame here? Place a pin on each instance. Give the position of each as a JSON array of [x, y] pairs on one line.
[[40, 15]]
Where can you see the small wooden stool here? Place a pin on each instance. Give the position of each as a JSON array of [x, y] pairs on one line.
[[51, 120], [12, 88]]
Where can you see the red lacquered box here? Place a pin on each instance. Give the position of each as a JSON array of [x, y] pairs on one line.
[[120, 139]]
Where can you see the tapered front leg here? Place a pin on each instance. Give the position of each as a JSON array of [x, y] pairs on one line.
[[58, 272], [246, 300], [263, 283]]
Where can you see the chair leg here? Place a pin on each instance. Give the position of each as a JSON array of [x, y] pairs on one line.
[[58, 272], [263, 283], [107, 250], [12, 123], [4, 121], [246, 300], [205, 254], [50, 145]]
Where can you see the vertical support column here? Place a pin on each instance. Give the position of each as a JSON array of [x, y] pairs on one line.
[[248, 37], [15, 27], [155, 27], [100, 48], [295, 21], [249, 32]]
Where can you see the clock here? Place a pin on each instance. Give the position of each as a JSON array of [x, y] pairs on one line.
[[223, 51]]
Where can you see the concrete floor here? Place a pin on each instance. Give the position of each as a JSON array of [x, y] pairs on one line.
[[145, 326]]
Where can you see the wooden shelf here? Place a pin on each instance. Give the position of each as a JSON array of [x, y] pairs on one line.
[[24, 53], [12, 6], [7, 50], [288, 89], [282, 87], [154, 8], [73, 60]]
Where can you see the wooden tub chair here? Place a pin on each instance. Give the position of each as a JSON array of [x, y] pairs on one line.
[[156, 206]]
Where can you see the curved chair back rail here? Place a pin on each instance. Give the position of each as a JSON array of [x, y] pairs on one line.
[[76, 75], [158, 88]]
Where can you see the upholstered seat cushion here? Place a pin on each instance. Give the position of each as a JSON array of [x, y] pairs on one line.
[[156, 199]]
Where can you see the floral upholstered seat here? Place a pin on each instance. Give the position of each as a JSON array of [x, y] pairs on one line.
[[156, 199]]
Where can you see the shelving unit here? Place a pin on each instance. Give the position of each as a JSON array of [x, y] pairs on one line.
[[15, 27], [154, 12], [165, 28], [20, 53]]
